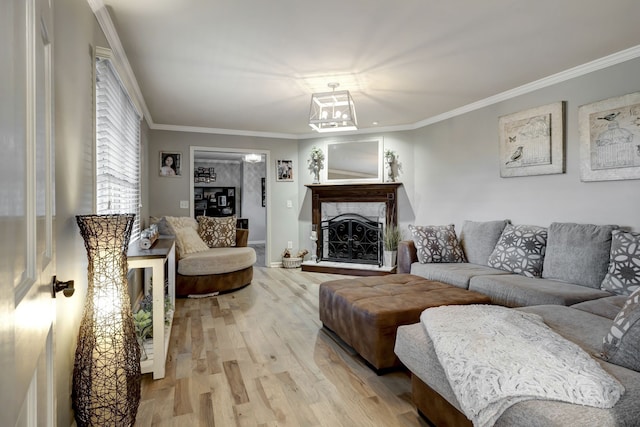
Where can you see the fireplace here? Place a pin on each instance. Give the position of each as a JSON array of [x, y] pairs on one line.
[[348, 220], [351, 238]]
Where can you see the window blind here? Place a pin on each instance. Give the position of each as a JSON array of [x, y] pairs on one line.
[[117, 147]]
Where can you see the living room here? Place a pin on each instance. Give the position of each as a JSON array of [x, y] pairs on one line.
[[450, 165]]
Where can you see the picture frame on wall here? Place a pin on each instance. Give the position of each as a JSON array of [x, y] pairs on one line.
[[284, 170], [532, 141], [610, 139], [170, 164], [264, 192]]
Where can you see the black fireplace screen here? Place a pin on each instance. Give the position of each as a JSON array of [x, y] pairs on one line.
[[351, 238]]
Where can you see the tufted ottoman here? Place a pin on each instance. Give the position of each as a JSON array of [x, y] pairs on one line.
[[365, 312]]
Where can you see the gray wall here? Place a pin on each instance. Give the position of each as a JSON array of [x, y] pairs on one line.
[[451, 169], [457, 170], [165, 194], [252, 208], [76, 34]]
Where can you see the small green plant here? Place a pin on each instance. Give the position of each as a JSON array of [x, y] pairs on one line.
[[391, 237], [143, 320]]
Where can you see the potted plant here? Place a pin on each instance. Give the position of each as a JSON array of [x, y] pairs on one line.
[[391, 236]]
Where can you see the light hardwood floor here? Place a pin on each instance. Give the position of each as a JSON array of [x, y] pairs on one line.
[[258, 357]]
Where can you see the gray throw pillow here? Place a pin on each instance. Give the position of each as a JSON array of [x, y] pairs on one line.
[[623, 276], [578, 253], [621, 346], [437, 244], [520, 250], [479, 238]]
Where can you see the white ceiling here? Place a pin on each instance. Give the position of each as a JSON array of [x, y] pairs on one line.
[[252, 65]]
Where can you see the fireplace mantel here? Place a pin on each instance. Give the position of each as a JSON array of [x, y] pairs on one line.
[[382, 192]]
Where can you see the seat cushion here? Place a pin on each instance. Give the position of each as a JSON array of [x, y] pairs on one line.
[[217, 261], [514, 290], [608, 307], [457, 274]]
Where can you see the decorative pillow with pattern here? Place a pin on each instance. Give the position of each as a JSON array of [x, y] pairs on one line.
[[437, 244], [217, 232], [188, 241], [623, 275], [621, 346], [520, 250]]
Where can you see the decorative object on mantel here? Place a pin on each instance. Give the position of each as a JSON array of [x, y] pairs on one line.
[[532, 141], [392, 165], [316, 163], [332, 111], [106, 373], [610, 139]]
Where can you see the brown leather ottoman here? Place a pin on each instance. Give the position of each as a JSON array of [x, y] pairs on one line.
[[365, 312]]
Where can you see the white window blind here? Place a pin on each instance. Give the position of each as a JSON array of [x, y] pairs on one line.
[[117, 147]]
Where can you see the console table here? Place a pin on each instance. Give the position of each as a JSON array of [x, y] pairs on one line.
[[162, 252]]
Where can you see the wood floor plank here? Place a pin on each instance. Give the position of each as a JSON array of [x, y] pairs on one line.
[[259, 357]]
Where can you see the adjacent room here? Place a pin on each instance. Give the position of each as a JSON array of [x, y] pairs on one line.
[[284, 213]]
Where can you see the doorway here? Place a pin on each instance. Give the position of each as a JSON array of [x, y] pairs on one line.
[[225, 183]]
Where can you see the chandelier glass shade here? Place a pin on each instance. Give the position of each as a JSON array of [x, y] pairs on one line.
[[332, 111]]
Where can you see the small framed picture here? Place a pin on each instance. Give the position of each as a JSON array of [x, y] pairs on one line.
[[231, 192], [170, 163], [284, 170], [222, 201]]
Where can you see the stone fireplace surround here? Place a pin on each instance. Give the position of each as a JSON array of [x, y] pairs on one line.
[[372, 199]]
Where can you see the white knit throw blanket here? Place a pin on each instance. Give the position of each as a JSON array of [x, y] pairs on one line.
[[495, 357]]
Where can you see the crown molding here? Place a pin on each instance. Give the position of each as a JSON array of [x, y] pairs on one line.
[[119, 57], [197, 129], [580, 70], [122, 64]]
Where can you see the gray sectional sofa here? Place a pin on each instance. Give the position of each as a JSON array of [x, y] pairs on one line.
[[565, 274]]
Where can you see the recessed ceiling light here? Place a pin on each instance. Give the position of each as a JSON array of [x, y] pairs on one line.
[[375, 123]]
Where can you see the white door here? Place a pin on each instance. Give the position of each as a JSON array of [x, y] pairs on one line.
[[27, 310]]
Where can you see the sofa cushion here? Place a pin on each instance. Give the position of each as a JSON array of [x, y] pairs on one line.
[[608, 307], [479, 238], [577, 253], [176, 222], [623, 275], [622, 344], [188, 241], [217, 261], [217, 232], [514, 290], [457, 274], [437, 243], [520, 250]]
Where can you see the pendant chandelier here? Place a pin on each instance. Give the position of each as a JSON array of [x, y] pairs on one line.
[[332, 111]]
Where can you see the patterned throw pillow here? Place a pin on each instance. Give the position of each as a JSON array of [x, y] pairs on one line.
[[188, 241], [437, 244], [520, 250], [217, 232], [623, 276], [622, 344]]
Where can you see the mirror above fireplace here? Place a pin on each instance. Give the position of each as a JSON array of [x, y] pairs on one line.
[[354, 161]]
